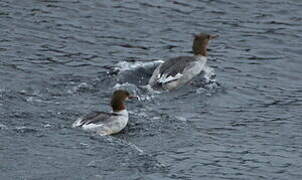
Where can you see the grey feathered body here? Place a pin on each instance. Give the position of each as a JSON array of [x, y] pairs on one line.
[[176, 72], [102, 122]]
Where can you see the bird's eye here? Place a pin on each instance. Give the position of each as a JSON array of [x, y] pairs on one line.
[[209, 36]]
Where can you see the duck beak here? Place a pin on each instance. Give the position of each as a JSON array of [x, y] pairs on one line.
[[214, 36], [132, 97]]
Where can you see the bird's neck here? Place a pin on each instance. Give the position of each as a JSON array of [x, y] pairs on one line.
[[122, 112], [199, 49], [117, 105]]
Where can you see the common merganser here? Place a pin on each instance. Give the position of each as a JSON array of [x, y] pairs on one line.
[[105, 123], [178, 71]]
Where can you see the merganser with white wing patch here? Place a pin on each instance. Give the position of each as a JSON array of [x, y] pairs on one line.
[[178, 71], [105, 123]]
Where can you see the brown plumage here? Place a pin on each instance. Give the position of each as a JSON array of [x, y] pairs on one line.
[[117, 100], [201, 42]]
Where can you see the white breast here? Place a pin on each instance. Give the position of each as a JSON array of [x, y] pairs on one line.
[[202, 60], [194, 68], [113, 125]]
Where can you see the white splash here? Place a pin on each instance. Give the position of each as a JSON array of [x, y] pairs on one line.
[[124, 86], [2, 126], [208, 73], [76, 88], [210, 81], [125, 66]]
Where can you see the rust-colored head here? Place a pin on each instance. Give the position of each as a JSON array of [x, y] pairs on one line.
[[201, 42], [118, 98]]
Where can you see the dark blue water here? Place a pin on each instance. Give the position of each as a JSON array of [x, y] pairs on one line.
[[240, 120]]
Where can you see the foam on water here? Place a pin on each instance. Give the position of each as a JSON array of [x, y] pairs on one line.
[[209, 74], [78, 87], [130, 73], [2, 126], [125, 66]]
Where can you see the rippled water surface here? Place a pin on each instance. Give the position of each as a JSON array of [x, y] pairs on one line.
[[241, 119]]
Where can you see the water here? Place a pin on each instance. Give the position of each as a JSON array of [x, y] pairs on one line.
[[239, 120]]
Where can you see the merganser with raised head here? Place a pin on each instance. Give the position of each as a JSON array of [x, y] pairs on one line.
[[178, 71], [105, 123]]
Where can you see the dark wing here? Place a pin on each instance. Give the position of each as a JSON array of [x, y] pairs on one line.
[[174, 66], [93, 118]]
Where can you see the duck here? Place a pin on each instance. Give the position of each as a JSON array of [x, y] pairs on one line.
[[178, 71], [107, 123]]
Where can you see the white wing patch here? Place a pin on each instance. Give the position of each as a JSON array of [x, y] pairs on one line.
[[92, 126], [164, 78], [77, 123]]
